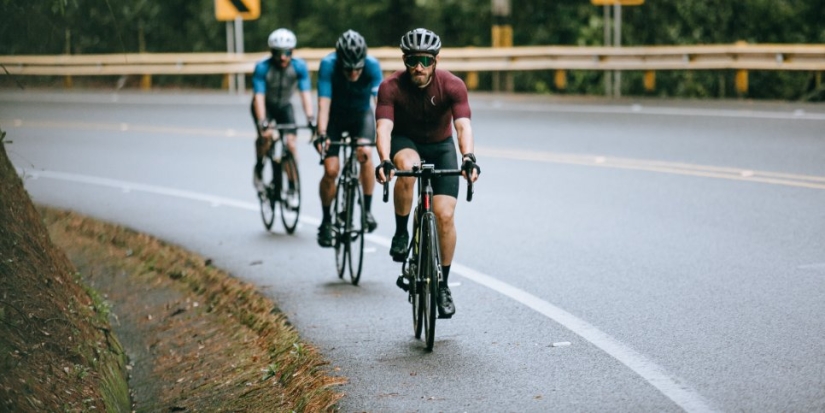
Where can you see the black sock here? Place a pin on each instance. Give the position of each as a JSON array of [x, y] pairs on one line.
[[327, 217], [367, 202], [401, 223], [445, 273]]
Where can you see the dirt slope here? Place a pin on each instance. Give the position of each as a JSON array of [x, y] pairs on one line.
[[193, 338]]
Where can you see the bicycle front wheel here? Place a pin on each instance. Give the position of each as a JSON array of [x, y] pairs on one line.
[[339, 220], [356, 228], [290, 193], [267, 198], [431, 267]]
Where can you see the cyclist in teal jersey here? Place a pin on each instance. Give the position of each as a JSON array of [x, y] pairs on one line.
[[274, 81], [348, 82]]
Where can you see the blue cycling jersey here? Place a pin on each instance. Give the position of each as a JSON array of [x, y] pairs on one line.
[[278, 84], [348, 96]]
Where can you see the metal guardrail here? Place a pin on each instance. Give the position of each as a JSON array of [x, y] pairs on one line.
[[471, 59]]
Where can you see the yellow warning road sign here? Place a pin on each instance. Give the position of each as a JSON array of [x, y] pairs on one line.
[[226, 10]]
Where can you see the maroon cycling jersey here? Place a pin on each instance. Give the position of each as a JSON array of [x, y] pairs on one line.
[[423, 115]]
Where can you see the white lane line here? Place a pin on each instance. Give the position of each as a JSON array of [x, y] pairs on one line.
[[672, 387]]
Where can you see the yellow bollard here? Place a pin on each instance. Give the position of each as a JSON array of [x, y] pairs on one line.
[[742, 81], [67, 82], [650, 80], [472, 80], [561, 79], [146, 82]]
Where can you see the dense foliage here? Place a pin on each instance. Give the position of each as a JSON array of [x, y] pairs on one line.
[[111, 26]]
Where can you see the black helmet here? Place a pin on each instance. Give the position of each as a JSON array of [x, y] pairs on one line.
[[351, 49], [420, 41]]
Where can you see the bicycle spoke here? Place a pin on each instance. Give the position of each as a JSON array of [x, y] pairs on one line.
[[356, 222], [267, 203], [290, 195], [338, 224]]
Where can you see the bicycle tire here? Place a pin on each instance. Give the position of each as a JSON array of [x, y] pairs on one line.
[[414, 277], [341, 241], [356, 228], [267, 198], [290, 198], [431, 259]]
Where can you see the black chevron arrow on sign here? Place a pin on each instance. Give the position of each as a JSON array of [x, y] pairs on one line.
[[239, 4]]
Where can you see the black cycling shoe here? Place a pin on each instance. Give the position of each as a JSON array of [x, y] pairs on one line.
[[398, 250], [371, 224], [402, 283], [325, 235], [446, 308]]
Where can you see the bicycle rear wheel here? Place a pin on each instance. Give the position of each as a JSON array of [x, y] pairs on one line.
[[290, 193], [431, 265], [356, 228], [267, 198], [341, 241]]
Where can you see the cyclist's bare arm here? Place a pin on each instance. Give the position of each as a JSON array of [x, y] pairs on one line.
[[383, 131], [323, 114], [466, 143], [306, 101], [260, 112], [323, 118]]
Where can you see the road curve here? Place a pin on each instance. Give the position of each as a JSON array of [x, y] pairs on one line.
[[618, 255]]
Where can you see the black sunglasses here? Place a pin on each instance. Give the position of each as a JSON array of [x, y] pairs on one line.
[[424, 60], [279, 52], [351, 69]]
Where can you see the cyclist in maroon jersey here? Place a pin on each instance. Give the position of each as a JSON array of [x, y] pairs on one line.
[[413, 122]]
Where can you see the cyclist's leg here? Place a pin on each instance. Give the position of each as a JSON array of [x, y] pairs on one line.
[[444, 209], [443, 156], [262, 145], [404, 155], [332, 167], [365, 132], [286, 115]]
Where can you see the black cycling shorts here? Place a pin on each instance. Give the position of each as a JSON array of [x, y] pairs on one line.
[[357, 124], [441, 154], [282, 115]]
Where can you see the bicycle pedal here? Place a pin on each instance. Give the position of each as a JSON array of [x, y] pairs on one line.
[[402, 284]]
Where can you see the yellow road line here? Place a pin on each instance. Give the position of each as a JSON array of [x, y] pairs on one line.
[[679, 168], [744, 175]]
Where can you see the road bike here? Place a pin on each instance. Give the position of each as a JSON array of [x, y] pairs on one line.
[[282, 181], [349, 224], [421, 271]]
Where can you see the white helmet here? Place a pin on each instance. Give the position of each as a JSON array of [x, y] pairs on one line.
[[282, 39]]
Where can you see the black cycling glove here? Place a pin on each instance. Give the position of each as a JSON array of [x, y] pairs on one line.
[[313, 127], [469, 164], [387, 165]]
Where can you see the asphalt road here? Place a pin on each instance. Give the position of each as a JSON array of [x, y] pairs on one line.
[[632, 255]]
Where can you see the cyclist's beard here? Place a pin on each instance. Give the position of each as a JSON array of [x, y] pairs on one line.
[[422, 78]]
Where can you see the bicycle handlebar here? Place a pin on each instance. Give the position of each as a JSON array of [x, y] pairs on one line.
[[353, 143], [419, 172], [287, 126], [345, 141]]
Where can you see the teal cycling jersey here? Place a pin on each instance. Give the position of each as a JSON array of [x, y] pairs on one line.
[[278, 84], [348, 96]]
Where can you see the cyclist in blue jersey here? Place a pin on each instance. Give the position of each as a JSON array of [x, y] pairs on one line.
[[273, 83], [348, 82]]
